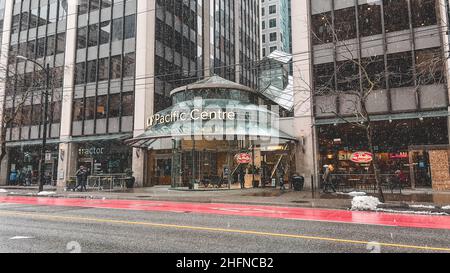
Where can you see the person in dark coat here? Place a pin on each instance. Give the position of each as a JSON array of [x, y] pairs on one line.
[[242, 176], [81, 176]]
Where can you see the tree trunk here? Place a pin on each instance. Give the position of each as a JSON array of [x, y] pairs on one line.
[[376, 169]]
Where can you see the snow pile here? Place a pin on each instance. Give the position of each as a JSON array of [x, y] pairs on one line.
[[446, 207], [355, 193], [365, 203], [46, 193], [3, 191], [422, 207]]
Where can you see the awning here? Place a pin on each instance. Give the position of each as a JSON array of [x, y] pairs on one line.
[[119, 137]]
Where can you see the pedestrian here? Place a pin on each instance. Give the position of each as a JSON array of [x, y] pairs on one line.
[[80, 176], [13, 177], [242, 176], [84, 178], [21, 177], [280, 177], [28, 177], [327, 179]]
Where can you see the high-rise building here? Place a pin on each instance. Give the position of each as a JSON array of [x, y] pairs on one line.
[[275, 26], [113, 63]]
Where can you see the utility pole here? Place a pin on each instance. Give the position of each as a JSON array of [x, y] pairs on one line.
[[45, 121]]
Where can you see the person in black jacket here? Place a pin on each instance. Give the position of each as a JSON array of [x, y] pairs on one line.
[[81, 176]]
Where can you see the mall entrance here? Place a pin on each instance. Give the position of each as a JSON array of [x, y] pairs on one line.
[[208, 165]]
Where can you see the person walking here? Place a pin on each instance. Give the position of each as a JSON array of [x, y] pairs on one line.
[[327, 179], [280, 177], [79, 178], [242, 176], [28, 177]]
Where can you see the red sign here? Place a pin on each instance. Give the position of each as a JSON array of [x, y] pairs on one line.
[[243, 158], [361, 157], [398, 156]]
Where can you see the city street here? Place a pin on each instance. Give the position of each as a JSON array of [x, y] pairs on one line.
[[72, 225]]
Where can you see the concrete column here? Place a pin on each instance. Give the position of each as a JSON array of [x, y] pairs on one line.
[[3, 65], [65, 165], [304, 119], [4, 170], [145, 70], [445, 38]]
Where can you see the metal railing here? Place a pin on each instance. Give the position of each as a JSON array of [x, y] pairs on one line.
[[366, 182], [102, 182]]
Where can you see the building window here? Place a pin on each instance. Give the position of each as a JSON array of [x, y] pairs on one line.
[[324, 78], [128, 104], [82, 38], [101, 107], [423, 13], [400, 70], [129, 65], [130, 26], [429, 66], [116, 67], [114, 105], [345, 24], [105, 31], [91, 71], [396, 15], [272, 23], [272, 49], [93, 35], [369, 19], [272, 9], [321, 28], [103, 69], [117, 31], [80, 73], [273, 36]]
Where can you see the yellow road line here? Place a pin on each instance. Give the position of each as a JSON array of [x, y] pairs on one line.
[[236, 231]]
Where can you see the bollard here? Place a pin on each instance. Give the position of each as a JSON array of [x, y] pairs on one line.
[[312, 186]]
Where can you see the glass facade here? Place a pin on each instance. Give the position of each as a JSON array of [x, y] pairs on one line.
[[38, 33], [177, 60], [105, 67], [397, 44]]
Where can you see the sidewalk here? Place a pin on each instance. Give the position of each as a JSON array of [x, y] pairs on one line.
[[272, 197]]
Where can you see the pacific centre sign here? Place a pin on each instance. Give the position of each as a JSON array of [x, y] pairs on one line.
[[195, 114]]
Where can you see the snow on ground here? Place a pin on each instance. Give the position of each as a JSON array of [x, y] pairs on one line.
[[422, 207], [3, 191], [446, 207], [46, 193], [353, 193], [365, 203], [414, 212]]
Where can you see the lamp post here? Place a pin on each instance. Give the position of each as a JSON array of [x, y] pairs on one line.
[[44, 130]]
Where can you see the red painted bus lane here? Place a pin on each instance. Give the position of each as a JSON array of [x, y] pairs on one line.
[[304, 214]]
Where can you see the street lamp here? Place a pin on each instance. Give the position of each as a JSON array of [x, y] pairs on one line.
[[44, 130]]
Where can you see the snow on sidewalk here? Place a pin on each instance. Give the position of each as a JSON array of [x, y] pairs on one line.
[[3, 191], [365, 203], [46, 193]]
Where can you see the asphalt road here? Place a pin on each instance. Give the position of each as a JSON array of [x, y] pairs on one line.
[[31, 229]]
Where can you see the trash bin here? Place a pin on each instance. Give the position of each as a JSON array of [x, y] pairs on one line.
[[298, 182]]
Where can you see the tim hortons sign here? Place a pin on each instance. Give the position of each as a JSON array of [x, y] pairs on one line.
[[361, 157]]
